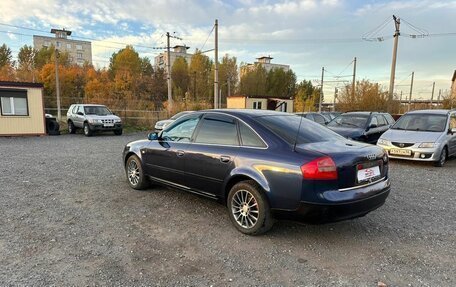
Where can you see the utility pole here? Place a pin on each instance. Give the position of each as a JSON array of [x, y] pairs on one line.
[[321, 88], [335, 97], [57, 83], [411, 90], [168, 56], [397, 23], [432, 95], [438, 99], [354, 80], [194, 85], [229, 86], [216, 86], [400, 103]]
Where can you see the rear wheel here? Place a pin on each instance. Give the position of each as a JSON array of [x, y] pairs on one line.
[[87, 130], [443, 158], [135, 174], [71, 127], [249, 209]]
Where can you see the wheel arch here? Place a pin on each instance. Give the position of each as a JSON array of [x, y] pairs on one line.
[[237, 176]]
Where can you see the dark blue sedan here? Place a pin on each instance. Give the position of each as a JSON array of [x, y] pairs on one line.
[[263, 165]]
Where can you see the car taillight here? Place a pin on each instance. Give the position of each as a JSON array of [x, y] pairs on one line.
[[322, 168]]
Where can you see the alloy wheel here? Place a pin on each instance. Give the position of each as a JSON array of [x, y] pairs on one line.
[[244, 207], [133, 172]]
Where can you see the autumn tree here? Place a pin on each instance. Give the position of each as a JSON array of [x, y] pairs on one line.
[[228, 75], [180, 77], [6, 64], [368, 96], [307, 97], [201, 78]]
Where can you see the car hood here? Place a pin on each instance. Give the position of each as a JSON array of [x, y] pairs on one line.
[[107, 117], [350, 132], [410, 136]]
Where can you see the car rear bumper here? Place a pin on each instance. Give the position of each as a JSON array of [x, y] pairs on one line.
[[417, 154], [340, 205]]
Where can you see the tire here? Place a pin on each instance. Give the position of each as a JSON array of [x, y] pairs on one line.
[[249, 209], [118, 132], [52, 127], [135, 175], [87, 131], [71, 128], [442, 159]]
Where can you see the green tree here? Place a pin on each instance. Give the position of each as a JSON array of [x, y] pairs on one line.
[[126, 61], [280, 83], [146, 67], [307, 97], [26, 63], [6, 56], [253, 80]]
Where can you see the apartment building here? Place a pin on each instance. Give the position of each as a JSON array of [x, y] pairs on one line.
[[161, 60], [265, 62], [79, 51]]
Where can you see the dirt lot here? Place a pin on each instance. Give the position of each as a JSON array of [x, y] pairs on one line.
[[68, 217]]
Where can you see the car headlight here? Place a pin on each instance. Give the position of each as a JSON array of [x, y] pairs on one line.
[[118, 121], [427, 145], [383, 142]]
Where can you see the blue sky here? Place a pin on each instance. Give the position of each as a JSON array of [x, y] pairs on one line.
[[305, 34]]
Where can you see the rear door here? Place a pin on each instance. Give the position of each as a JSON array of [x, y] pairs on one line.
[[79, 119], [210, 157]]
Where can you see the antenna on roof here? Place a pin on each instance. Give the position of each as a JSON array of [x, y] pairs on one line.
[[297, 133]]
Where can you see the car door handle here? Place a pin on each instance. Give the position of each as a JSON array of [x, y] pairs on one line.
[[180, 153], [225, 158]]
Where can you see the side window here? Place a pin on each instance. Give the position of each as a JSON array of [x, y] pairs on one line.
[[389, 119], [319, 119], [257, 105], [381, 121], [80, 109], [453, 121], [182, 131], [374, 121], [74, 110], [215, 129], [249, 137], [310, 117]]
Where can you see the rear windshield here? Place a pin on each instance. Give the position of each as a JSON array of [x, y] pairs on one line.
[[350, 120], [286, 127], [421, 122]]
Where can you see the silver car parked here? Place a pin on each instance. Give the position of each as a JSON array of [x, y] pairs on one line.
[[423, 135]]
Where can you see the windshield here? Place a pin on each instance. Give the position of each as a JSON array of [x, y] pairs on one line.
[[286, 127], [178, 115], [350, 120], [421, 122], [97, 110]]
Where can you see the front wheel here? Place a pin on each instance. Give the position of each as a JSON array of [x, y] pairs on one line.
[[442, 159], [249, 209], [135, 174], [118, 132], [87, 130]]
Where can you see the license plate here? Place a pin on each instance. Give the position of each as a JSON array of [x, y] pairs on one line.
[[108, 125], [405, 152], [368, 173]]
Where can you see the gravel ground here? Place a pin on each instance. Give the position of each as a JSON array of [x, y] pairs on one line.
[[68, 217]]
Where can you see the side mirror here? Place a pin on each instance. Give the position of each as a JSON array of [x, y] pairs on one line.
[[80, 113], [153, 136]]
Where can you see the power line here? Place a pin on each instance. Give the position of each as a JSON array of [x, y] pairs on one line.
[[213, 27]]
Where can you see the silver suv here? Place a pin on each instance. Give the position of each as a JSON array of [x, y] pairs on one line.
[[92, 118]]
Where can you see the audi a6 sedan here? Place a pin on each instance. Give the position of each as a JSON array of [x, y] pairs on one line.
[[263, 165], [423, 135]]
